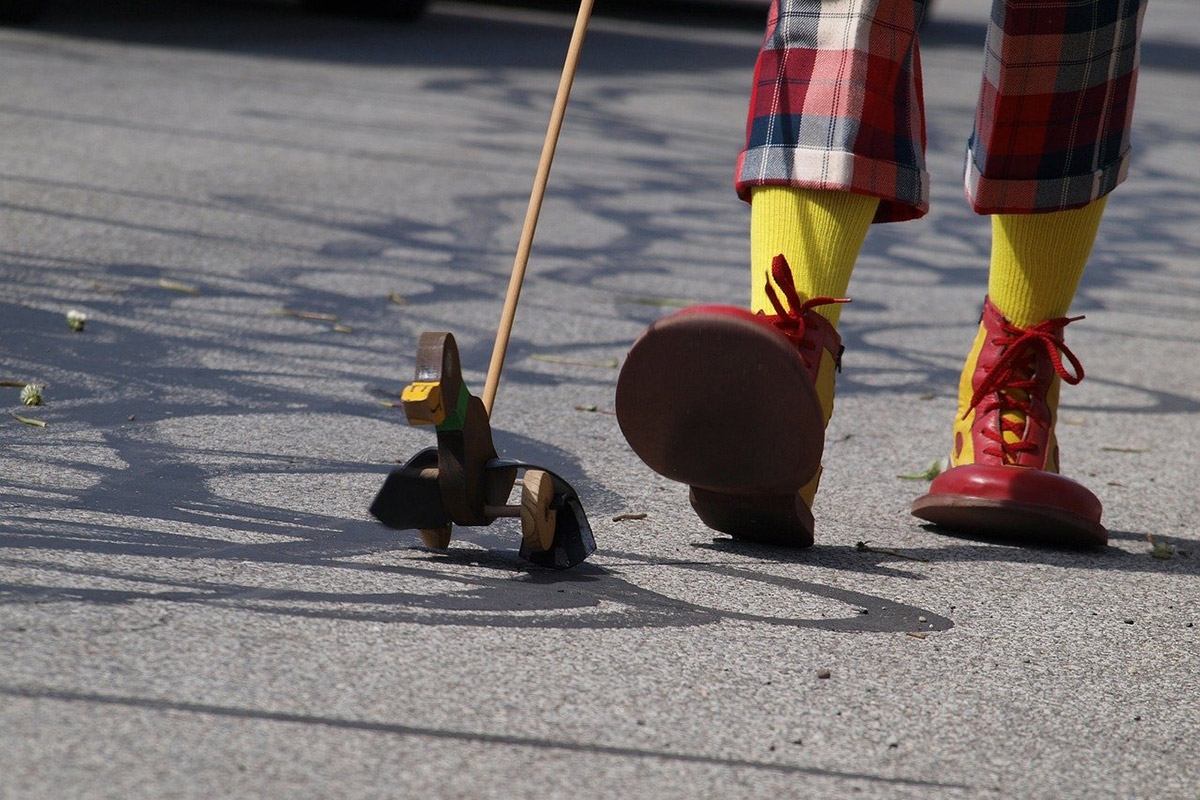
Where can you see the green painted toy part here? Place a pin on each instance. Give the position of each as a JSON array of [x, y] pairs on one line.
[[455, 420]]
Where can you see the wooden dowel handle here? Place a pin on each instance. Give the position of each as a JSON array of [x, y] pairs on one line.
[[535, 206]]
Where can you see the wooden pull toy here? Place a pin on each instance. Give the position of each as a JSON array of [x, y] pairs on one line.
[[463, 481]]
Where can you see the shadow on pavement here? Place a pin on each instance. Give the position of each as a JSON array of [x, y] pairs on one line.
[[399, 730], [177, 358], [517, 38]]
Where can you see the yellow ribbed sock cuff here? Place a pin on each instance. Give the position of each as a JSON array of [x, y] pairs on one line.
[[819, 231], [1038, 259]]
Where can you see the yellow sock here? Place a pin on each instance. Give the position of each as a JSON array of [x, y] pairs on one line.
[[819, 232], [1038, 259]]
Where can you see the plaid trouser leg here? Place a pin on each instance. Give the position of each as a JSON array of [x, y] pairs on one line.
[[1052, 126], [837, 104]]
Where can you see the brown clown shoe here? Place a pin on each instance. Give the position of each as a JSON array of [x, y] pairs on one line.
[[1004, 479], [734, 404]]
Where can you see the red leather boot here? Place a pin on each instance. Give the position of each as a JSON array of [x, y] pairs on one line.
[[1004, 479], [734, 404]]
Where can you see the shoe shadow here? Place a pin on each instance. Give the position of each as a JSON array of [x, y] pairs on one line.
[[1163, 554]]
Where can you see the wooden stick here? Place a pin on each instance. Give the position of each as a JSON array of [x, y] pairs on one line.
[[535, 206], [496, 512]]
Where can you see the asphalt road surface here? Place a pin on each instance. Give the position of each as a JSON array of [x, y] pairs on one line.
[[259, 211]]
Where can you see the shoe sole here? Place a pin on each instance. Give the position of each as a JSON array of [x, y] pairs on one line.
[[722, 403], [780, 520], [1004, 519]]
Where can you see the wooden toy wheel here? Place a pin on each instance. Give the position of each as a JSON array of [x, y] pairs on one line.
[[537, 517], [436, 538]]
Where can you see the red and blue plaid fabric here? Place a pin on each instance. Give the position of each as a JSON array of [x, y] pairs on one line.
[[837, 104]]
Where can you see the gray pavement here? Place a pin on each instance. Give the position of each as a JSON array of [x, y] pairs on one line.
[[195, 603]]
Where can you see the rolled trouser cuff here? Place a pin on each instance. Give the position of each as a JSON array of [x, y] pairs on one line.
[[903, 189], [1008, 196]]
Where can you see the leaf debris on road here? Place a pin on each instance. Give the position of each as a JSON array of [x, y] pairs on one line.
[[37, 423], [312, 316], [594, 410], [865, 547], [937, 467], [1160, 550], [177, 286]]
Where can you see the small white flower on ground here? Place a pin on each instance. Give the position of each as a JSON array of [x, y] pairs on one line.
[[31, 395], [76, 319]]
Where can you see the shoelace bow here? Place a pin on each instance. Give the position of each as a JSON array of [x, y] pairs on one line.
[[1007, 386], [790, 320]]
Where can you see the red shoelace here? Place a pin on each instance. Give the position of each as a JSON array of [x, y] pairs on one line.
[[790, 320], [1008, 385]]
